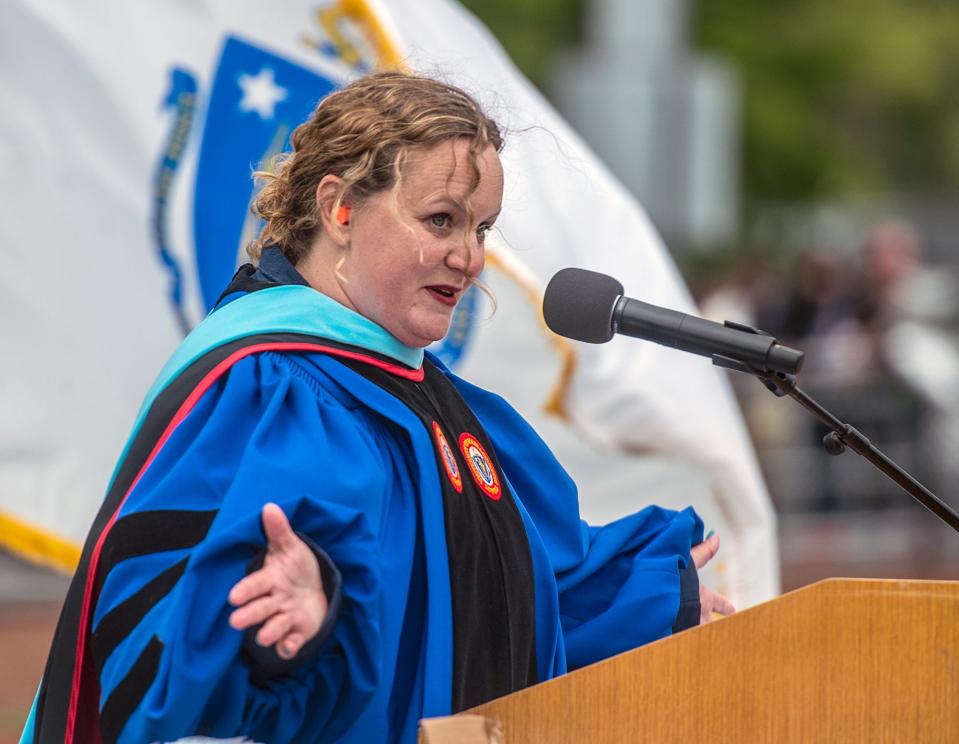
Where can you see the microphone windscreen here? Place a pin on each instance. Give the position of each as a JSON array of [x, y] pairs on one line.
[[579, 304]]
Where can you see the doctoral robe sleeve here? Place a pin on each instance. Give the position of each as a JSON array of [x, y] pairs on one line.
[[619, 585], [169, 664]]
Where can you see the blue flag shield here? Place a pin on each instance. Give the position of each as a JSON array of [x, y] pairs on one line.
[[257, 99]]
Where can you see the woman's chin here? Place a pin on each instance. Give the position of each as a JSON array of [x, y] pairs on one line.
[[423, 337]]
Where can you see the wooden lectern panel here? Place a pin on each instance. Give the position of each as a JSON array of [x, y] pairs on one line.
[[843, 660]]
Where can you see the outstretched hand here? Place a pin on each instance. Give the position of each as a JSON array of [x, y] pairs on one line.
[[709, 601], [286, 595]]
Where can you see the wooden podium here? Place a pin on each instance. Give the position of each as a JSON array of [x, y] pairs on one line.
[[843, 660]]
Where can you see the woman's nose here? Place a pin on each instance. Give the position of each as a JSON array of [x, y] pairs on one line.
[[468, 256]]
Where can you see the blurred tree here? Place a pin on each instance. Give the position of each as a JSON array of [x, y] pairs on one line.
[[843, 99], [531, 31]]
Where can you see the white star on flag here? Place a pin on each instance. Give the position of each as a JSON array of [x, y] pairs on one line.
[[261, 93]]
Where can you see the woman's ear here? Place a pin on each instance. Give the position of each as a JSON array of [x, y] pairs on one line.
[[336, 225]]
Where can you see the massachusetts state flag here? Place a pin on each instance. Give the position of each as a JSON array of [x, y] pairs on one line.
[[128, 136]]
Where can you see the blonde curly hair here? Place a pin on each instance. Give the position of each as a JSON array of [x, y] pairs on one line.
[[362, 133]]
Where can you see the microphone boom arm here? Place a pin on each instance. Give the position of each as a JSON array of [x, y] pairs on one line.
[[842, 435], [591, 307]]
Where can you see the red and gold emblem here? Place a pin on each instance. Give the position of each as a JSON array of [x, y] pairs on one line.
[[449, 461], [481, 466]]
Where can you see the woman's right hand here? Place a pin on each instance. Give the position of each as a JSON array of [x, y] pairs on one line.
[[286, 595]]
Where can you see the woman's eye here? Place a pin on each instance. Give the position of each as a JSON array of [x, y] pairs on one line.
[[481, 232], [440, 221]]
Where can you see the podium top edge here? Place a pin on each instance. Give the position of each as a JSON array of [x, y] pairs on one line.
[[837, 583]]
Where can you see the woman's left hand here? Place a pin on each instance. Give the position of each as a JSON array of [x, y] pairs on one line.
[[709, 601], [286, 595]]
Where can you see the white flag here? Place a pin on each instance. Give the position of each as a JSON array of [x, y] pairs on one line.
[[129, 132]]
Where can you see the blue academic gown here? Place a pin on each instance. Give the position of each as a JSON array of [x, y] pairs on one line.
[[355, 471]]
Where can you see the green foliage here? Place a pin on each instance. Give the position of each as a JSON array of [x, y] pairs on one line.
[[843, 99], [531, 31]]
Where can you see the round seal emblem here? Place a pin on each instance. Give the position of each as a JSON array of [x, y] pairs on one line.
[[449, 462], [481, 466]]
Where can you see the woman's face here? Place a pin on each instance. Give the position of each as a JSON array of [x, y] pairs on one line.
[[408, 263]]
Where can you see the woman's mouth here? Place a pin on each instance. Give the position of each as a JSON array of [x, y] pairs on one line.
[[444, 294]]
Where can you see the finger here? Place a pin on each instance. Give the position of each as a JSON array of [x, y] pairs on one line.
[[255, 612], [722, 605], [257, 584], [290, 646], [274, 629], [279, 534], [704, 552]]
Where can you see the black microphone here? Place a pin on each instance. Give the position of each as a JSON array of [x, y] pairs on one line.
[[588, 306]]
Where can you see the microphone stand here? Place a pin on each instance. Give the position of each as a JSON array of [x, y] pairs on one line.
[[842, 435]]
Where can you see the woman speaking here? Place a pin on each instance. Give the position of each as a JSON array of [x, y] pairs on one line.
[[317, 532]]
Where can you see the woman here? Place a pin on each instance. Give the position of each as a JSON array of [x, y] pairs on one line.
[[424, 552]]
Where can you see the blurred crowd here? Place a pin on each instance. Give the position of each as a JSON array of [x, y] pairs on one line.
[[880, 328]]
